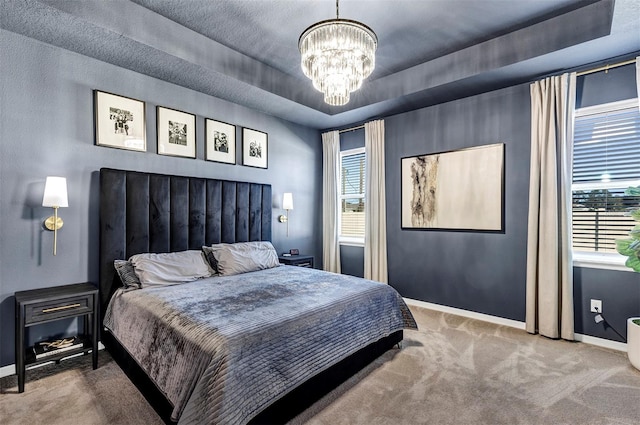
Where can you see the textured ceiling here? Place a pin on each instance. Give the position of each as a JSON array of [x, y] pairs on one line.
[[430, 51]]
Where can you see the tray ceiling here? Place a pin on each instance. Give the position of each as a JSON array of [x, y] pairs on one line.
[[430, 51]]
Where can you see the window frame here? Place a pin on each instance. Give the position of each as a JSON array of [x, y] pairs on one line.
[[602, 260], [349, 240]]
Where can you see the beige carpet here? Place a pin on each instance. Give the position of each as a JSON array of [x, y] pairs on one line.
[[452, 371]]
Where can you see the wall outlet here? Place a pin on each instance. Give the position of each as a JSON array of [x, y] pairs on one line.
[[596, 306]]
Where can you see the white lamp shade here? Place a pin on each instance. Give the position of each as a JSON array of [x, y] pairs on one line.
[[287, 201], [55, 192]]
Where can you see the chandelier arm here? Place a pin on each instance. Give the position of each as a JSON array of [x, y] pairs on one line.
[[337, 10]]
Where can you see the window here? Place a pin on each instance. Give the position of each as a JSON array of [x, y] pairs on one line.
[[606, 161], [352, 200]]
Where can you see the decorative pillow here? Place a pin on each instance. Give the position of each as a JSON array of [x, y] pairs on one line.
[[170, 268], [245, 257], [208, 254], [127, 274]]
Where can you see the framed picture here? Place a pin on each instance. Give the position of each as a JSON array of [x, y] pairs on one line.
[[220, 141], [176, 133], [119, 122], [254, 148], [460, 190]]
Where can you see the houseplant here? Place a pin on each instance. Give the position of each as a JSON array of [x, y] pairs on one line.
[[631, 248]]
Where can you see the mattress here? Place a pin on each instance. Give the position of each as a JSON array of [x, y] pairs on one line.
[[222, 349]]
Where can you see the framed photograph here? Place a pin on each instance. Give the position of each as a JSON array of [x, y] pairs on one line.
[[119, 122], [254, 148], [176, 133], [459, 190], [220, 141]]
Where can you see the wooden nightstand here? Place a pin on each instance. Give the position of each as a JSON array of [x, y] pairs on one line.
[[44, 305], [297, 260]]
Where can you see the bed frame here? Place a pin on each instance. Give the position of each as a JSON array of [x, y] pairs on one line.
[[144, 212]]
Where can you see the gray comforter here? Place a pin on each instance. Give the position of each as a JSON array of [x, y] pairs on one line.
[[222, 349]]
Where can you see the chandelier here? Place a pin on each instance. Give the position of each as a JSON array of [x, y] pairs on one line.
[[338, 54]]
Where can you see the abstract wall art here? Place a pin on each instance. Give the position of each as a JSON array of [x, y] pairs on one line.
[[458, 190]]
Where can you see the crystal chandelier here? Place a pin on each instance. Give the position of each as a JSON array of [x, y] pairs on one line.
[[338, 54]]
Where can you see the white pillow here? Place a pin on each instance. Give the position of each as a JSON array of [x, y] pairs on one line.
[[245, 257], [170, 268]]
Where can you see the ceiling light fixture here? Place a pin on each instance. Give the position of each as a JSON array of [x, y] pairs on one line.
[[338, 54]]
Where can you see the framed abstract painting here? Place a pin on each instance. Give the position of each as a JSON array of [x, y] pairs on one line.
[[457, 190]]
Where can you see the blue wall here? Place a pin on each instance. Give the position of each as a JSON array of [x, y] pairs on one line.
[[482, 272], [47, 129], [486, 272]]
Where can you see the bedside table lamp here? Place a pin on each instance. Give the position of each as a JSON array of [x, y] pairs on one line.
[[287, 204], [55, 196]]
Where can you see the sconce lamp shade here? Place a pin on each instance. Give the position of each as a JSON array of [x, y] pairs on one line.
[[287, 201], [55, 192]]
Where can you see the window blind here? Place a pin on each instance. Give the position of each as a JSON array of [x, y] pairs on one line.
[[606, 160], [352, 195]]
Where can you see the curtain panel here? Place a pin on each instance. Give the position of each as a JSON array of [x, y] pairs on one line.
[[549, 302], [375, 211], [330, 201]]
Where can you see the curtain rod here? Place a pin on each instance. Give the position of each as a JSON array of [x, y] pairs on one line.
[[605, 67], [358, 127]]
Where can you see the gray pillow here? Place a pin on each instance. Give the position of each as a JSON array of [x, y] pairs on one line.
[[127, 274], [245, 257], [170, 268]]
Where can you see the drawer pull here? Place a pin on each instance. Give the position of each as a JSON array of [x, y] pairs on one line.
[[64, 307]]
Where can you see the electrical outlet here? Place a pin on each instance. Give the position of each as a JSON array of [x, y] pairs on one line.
[[596, 306]]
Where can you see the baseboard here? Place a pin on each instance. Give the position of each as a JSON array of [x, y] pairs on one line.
[[587, 339], [601, 342], [10, 369], [466, 313]]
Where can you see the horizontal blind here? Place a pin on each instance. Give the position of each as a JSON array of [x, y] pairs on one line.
[[352, 191], [606, 156], [607, 144]]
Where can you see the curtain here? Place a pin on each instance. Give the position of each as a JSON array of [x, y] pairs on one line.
[[330, 201], [549, 303], [375, 239], [638, 78]]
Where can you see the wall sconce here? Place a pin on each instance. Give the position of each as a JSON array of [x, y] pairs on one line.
[[287, 204], [55, 196]]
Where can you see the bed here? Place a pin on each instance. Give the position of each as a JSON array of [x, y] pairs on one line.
[[253, 347]]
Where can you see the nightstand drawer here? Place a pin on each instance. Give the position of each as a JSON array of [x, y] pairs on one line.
[[58, 309]]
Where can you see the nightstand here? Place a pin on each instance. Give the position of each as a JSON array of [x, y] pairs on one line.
[[44, 305], [297, 260]]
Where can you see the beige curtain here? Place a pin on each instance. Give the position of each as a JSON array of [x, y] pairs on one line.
[[638, 78], [330, 201], [375, 239], [549, 308]]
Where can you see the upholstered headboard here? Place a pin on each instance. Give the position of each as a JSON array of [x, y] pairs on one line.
[[144, 212]]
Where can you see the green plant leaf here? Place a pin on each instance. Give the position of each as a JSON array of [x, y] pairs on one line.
[[633, 262], [636, 214], [623, 247]]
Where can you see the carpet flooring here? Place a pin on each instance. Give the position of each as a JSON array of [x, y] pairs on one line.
[[452, 370]]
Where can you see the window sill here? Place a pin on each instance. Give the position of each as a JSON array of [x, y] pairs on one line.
[[600, 261], [352, 242]]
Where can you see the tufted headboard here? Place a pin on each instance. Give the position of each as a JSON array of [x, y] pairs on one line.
[[144, 212]]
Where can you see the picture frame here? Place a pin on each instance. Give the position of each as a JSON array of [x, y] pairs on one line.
[[255, 148], [220, 141], [119, 122], [176, 132], [457, 190]]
